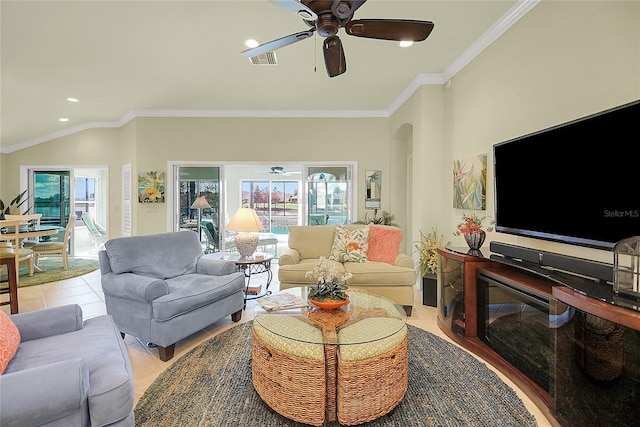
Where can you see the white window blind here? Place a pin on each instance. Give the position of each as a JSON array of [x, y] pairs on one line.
[[126, 200]]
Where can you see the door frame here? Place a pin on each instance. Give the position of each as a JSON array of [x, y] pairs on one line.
[[26, 182], [172, 187]]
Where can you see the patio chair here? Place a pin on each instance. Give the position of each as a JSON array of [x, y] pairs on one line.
[[211, 234], [97, 232]]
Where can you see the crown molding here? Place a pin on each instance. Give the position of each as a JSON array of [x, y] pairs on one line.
[[513, 15]]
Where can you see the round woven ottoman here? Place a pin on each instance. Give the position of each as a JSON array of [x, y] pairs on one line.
[[289, 375], [372, 376]]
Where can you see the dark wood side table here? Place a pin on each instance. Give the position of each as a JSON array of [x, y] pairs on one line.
[[8, 259]]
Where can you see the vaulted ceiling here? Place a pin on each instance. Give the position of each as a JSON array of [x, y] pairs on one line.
[[123, 59]]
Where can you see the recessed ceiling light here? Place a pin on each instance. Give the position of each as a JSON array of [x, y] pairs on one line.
[[64, 119], [405, 43], [73, 100], [251, 43]]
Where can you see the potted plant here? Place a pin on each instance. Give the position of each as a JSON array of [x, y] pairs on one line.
[[14, 205], [329, 292], [427, 248], [386, 218], [471, 227]]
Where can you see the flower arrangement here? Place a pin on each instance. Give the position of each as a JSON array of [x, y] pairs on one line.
[[329, 284], [427, 251], [473, 224]]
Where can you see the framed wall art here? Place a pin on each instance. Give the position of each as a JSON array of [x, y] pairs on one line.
[[151, 187], [470, 183]]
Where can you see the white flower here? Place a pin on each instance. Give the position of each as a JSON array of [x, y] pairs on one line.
[[326, 271]]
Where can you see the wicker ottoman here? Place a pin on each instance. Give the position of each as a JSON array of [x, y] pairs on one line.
[[372, 376], [289, 375]]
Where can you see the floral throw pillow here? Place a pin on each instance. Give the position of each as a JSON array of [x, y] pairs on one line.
[[350, 245], [9, 340]]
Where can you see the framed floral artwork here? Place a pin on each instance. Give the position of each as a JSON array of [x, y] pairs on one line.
[[470, 183], [151, 187]]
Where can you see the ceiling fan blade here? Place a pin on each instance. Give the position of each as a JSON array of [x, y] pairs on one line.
[[390, 29], [294, 6], [334, 56], [278, 43], [345, 9]]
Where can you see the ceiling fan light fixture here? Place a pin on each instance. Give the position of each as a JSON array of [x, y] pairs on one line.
[[251, 43], [406, 43], [304, 14]]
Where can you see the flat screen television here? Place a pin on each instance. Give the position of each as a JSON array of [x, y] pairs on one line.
[[575, 183]]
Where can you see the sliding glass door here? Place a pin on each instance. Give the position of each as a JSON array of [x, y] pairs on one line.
[[52, 196], [275, 201], [294, 194], [329, 190], [199, 204]]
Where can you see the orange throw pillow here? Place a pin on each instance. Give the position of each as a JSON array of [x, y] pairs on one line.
[[9, 340], [384, 243]]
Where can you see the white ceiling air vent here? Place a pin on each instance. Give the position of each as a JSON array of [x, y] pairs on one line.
[[268, 58]]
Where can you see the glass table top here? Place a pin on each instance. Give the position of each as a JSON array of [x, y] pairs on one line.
[[367, 318]]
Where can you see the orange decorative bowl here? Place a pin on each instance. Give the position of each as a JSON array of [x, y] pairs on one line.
[[329, 304]]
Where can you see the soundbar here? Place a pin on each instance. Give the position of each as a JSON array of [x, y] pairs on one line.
[[598, 270]]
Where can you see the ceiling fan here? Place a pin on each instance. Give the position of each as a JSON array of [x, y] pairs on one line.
[[279, 170], [326, 17]]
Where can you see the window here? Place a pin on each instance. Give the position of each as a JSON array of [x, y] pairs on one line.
[[275, 201]]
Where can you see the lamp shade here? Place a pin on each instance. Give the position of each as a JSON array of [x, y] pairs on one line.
[[245, 220], [200, 203]]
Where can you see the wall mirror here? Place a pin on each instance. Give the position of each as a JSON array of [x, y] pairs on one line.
[[373, 186]]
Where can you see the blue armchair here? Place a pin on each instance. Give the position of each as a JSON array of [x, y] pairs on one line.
[[67, 372], [161, 288]]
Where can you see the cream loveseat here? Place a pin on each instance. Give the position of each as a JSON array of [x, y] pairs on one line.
[[385, 271]]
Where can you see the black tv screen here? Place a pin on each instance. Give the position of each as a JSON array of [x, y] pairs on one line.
[[575, 183]]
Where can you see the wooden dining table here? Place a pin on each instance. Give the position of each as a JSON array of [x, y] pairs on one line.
[[8, 259], [27, 232]]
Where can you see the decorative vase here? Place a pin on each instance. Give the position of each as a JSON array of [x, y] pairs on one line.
[[329, 304], [475, 240]]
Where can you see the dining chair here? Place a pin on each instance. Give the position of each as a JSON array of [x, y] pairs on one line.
[[10, 242], [33, 219], [56, 248]]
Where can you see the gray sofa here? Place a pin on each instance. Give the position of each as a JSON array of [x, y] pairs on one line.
[[161, 288], [67, 372]]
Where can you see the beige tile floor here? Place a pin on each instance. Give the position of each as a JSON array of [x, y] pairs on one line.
[[87, 292]]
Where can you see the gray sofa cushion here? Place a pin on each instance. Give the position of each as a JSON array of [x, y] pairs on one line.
[[193, 291], [160, 256]]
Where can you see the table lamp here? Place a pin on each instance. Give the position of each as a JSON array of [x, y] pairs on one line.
[[200, 203], [245, 221]]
